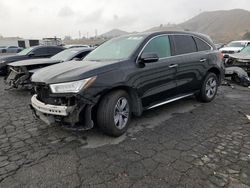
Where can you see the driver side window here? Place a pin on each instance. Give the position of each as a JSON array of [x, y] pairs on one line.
[[159, 45]]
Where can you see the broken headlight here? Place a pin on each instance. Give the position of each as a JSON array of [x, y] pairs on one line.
[[72, 87]]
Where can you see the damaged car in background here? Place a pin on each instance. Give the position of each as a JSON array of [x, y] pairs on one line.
[[241, 59], [21, 71], [238, 75], [126, 76], [238, 67], [28, 53], [234, 47]]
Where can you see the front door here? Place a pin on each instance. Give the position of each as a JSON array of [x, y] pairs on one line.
[[156, 81]]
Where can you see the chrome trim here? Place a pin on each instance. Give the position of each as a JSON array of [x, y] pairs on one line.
[[169, 101], [203, 60], [173, 66], [211, 48]]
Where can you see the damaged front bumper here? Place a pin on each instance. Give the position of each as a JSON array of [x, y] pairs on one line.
[[76, 117], [18, 76], [50, 109]]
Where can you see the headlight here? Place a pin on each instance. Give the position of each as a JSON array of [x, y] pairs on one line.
[[3, 61], [72, 87]]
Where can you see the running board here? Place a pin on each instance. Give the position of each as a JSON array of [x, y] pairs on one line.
[[169, 101]]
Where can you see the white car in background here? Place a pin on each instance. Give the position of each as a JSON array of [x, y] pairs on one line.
[[234, 47], [10, 49]]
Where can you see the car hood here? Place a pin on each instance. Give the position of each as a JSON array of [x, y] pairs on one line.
[[235, 49], [11, 58], [30, 62], [241, 56], [72, 71]]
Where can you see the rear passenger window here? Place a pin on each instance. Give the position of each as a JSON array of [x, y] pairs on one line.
[[40, 51], [54, 51], [201, 45], [184, 44], [159, 45]]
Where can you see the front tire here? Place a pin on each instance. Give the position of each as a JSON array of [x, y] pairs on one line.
[[209, 88], [113, 113]]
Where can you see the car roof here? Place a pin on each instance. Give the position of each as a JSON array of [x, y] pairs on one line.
[[80, 49], [241, 41], [152, 34], [40, 46]]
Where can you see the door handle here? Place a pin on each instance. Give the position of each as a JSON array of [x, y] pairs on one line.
[[203, 60], [173, 65]]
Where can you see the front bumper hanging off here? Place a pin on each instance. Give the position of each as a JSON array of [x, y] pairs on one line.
[[68, 116]]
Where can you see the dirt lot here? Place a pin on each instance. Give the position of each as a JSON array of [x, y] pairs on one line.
[[183, 144]]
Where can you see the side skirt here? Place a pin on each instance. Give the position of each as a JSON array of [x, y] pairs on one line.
[[170, 100]]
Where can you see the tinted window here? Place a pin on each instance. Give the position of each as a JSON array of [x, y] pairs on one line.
[[82, 55], [201, 45], [159, 45], [40, 51], [54, 51], [184, 44]]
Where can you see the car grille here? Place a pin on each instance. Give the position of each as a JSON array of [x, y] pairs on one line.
[[44, 95]]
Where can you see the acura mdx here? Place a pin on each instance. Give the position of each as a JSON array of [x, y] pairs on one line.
[[125, 76]]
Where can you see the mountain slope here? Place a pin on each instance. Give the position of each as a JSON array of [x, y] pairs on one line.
[[220, 25], [114, 33]]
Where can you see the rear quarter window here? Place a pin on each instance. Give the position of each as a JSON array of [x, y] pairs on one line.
[[201, 45], [184, 44]]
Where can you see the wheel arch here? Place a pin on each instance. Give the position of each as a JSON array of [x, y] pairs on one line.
[[135, 99], [217, 72]]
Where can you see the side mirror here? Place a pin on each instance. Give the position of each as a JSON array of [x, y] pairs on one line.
[[149, 58], [226, 56], [77, 59], [31, 54]]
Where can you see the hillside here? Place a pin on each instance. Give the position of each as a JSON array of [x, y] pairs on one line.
[[114, 33], [222, 26]]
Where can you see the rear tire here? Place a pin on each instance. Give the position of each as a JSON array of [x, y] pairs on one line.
[[209, 88], [113, 113]]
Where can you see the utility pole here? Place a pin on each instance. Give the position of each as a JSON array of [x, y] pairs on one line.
[[80, 34], [96, 33]]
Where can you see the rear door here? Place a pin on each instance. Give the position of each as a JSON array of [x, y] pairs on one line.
[[192, 62]]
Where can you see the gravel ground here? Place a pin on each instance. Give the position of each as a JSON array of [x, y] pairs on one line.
[[183, 144]]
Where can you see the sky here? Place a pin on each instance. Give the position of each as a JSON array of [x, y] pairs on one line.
[[49, 18]]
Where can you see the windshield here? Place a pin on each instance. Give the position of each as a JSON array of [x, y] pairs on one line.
[[65, 55], [116, 49], [246, 50], [236, 44], [26, 51]]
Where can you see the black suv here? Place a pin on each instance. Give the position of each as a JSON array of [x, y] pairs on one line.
[[28, 53], [125, 76]]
